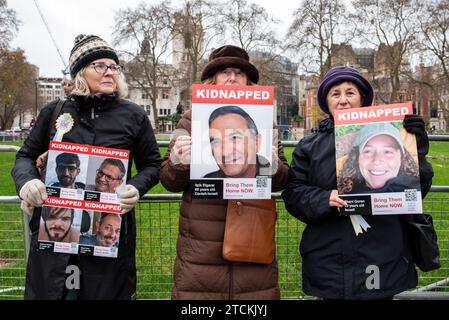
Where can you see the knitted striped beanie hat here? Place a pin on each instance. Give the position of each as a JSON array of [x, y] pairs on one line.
[[86, 49]]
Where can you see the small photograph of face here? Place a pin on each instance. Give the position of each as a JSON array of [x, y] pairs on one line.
[[380, 160], [66, 169], [108, 230], [67, 173], [108, 178], [106, 174], [57, 222], [234, 145]]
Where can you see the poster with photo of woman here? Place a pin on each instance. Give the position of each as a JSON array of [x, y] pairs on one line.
[[377, 161]]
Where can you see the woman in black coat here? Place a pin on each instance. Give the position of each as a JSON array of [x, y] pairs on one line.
[[101, 117], [337, 264]]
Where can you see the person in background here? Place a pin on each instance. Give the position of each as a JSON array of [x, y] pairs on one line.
[[335, 261], [102, 117]]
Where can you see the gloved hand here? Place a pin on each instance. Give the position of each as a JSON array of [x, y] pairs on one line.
[[128, 198], [415, 124], [26, 207], [34, 193]]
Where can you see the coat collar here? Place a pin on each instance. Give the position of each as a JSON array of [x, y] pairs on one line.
[[327, 125], [99, 100]]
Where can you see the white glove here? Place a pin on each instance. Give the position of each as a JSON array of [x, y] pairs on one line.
[[26, 207], [34, 193], [128, 198]]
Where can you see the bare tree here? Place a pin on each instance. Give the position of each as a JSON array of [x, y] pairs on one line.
[[9, 24], [317, 25], [389, 25], [16, 86], [198, 26], [434, 40], [434, 37], [147, 29], [250, 26]]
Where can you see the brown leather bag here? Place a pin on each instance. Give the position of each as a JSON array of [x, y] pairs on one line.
[[249, 231]]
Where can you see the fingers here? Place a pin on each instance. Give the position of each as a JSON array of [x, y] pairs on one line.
[[34, 192], [128, 194], [129, 201], [39, 192], [27, 208], [129, 198], [335, 201], [413, 123], [181, 150]]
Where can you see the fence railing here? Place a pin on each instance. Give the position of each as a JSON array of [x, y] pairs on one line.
[[157, 230]]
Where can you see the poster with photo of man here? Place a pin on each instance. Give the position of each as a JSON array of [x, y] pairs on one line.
[[59, 229], [377, 161], [102, 237], [81, 179], [232, 139]]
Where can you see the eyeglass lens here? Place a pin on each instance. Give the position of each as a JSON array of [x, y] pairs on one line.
[[107, 176]]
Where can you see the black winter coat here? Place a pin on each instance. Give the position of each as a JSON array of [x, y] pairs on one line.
[[101, 121], [335, 262]]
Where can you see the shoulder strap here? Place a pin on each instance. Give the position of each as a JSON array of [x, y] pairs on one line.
[[55, 115]]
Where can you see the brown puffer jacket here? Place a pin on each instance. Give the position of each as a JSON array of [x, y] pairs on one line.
[[200, 271]]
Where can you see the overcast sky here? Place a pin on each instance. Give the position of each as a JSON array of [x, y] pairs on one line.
[[67, 19]]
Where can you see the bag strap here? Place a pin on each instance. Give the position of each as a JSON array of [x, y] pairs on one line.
[[54, 116]]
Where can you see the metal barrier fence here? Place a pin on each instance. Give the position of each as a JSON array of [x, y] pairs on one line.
[[157, 230]]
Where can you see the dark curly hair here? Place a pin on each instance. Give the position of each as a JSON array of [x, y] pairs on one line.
[[350, 174]]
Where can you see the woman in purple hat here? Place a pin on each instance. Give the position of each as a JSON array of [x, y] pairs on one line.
[[337, 263]]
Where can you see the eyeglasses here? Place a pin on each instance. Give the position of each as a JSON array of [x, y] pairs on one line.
[[109, 178], [63, 167], [102, 68]]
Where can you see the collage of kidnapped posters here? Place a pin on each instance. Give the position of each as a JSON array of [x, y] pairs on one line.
[[377, 161], [232, 139], [82, 212]]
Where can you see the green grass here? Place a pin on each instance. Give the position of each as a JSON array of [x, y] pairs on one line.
[[157, 223]]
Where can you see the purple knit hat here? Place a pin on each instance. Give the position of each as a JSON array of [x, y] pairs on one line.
[[340, 74]]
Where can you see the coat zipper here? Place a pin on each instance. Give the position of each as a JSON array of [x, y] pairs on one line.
[[92, 113]]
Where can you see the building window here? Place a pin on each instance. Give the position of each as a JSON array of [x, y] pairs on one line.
[[434, 113], [165, 93]]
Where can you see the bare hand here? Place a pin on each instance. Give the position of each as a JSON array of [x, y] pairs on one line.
[[180, 153], [335, 201], [274, 160]]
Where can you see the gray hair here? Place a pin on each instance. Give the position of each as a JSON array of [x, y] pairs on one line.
[[116, 163], [81, 88]]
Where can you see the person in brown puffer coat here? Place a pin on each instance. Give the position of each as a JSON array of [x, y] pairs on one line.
[[200, 270]]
